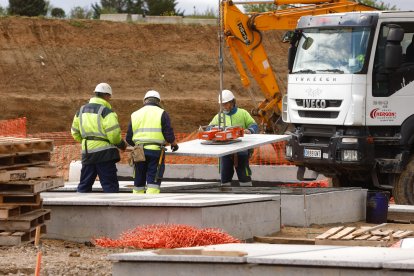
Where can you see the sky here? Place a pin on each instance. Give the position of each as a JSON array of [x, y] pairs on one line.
[[188, 6]]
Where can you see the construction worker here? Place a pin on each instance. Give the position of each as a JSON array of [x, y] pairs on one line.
[[96, 126], [150, 126], [235, 116]]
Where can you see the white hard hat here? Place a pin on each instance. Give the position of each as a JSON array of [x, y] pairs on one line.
[[226, 96], [103, 88], [152, 94]]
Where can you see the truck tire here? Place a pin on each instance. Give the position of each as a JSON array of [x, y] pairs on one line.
[[403, 190]]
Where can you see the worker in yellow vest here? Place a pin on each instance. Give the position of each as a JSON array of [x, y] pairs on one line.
[[235, 116], [150, 126], [96, 126]]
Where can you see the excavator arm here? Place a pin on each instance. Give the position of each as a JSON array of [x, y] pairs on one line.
[[243, 35]]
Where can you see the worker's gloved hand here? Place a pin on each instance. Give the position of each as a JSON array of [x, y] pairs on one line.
[[174, 147]]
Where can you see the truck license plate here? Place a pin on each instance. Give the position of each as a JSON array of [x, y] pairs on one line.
[[312, 153]]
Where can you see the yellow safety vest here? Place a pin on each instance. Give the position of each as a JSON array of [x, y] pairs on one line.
[[147, 128]]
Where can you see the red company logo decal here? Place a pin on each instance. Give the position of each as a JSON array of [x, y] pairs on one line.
[[375, 113]]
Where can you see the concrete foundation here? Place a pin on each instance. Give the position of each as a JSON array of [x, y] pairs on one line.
[[191, 172], [269, 259], [81, 217]]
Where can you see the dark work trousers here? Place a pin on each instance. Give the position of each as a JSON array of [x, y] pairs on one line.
[[107, 176], [242, 167], [145, 171]]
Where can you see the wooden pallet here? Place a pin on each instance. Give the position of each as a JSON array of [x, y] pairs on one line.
[[26, 221], [21, 200], [13, 145], [15, 210], [31, 187], [11, 238], [24, 160], [27, 173], [364, 236]]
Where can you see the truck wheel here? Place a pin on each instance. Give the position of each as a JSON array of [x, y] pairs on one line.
[[403, 186]]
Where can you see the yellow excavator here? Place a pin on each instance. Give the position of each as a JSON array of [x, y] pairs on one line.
[[243, 35]]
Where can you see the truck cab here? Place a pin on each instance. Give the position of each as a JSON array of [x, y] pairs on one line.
[[350, 99]]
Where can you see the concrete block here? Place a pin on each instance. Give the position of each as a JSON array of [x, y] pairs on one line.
[[81, 217], [199, 21], [116, 17], [323, 208], [163, 19]]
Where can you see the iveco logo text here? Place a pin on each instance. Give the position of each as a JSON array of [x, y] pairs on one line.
[[314, 103], [243, 33], [316, 79], [376, 113]]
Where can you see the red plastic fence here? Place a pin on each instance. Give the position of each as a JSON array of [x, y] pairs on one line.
[[13, 127]]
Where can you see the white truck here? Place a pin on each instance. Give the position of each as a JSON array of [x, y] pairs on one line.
[[350, 99]]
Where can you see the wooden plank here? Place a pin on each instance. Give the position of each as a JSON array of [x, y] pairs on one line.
[[329, 233], [365, 230], [9, 211], [26, 221], [24, 160], [30, 200], [351, 242], [27, 173], [382, 232], [342, 233], [283, 240], [10, 145], [374, 238], [19, 238], [363, 237], [22, 187], [403, 235]]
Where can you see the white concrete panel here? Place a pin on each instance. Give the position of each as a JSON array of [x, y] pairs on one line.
[[162, 200], [403, 264], [196, 148], [323, 208]]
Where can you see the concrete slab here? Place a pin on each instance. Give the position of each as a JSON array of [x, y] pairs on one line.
[[305, 206], [80, 217], [401, 265], [127, 186], [195, 172], [250, 141], [269, 259]]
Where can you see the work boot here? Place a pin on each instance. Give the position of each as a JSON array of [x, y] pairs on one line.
[[246, 184], [138, 191], [153, 191]]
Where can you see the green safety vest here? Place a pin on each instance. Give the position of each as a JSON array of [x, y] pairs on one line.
[[96, 126], [241, 118], [147, 128]]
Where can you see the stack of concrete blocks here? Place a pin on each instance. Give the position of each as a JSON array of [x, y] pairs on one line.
[[24, 173], [139, 18]]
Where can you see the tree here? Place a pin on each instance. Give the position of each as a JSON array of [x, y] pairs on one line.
[[58, 12], [161, 7], [259, 7], [81, 13], [118, 6], [28, 7], [378, 4]]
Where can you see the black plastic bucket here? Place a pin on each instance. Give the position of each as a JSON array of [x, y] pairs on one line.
[[377, 206]]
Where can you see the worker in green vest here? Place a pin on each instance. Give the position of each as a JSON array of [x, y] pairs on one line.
[[150, 127], [96, 126], [235, 116]]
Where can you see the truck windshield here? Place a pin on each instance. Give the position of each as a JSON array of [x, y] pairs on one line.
[[337, 51]]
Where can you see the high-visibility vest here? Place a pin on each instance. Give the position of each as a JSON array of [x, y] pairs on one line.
[[241, 118], [96, 125], [147, 128]]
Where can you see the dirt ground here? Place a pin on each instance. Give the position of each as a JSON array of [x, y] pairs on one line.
[[49, 68]]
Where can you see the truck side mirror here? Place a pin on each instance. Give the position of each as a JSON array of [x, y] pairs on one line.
[[393, 48]]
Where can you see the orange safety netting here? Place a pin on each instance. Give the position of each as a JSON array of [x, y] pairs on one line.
[[13, 127], [167, 236]]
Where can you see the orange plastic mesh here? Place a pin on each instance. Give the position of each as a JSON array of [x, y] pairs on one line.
[[13, 127], [167, 236]]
